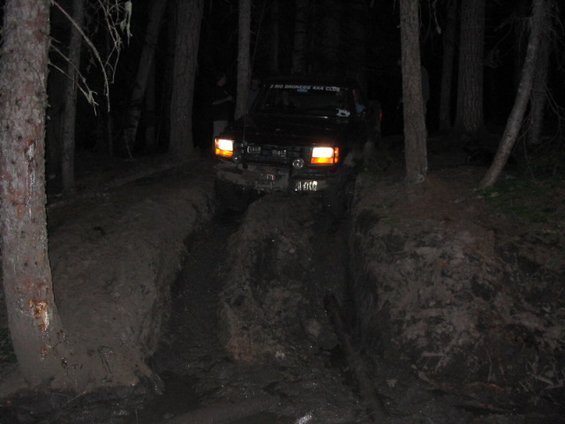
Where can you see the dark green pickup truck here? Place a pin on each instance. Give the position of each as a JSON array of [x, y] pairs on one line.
[[302, 135]]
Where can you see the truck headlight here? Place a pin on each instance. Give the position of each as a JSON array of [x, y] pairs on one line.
[[325, 155], [224, 147]]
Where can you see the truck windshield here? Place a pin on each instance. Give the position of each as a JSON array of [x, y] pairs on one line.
[[319, 100]]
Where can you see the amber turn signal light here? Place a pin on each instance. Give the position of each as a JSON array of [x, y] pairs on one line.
[[325, 155], [224, 147]]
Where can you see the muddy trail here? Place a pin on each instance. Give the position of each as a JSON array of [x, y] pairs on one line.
[[294, 368], [263, 328], [203, 379]]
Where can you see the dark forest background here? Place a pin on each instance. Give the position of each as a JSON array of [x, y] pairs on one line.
[[358, 39], [366, 47], [131, 79]]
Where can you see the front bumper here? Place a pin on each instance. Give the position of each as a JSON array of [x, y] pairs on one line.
[[271, 178]]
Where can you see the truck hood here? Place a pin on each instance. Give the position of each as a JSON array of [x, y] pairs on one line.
[[288, 129]]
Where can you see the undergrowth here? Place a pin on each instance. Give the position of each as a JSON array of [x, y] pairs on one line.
[[534, 201]]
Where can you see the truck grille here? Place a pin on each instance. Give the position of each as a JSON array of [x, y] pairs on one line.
[[268, 153]]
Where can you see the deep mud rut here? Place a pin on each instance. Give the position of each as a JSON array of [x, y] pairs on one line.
[[198, 380], [201, 382], [314, 375]]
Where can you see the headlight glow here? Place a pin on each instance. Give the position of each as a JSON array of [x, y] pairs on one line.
[[224, 147], [325, 155]]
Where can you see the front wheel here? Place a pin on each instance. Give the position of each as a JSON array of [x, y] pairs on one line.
[[338, 200], [229, 197]]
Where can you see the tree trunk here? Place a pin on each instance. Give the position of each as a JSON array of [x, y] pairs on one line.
[[330, 38], [447, 66], [413, 103], [70, 108], [56, 83], [188, 21], [539, 88], [105, 126], [539, 10], [469, 116], [156, 13], [150, 113], [521, 12], [34, 322], [243, 58], [275, 37], [356, 41], [299, 48]]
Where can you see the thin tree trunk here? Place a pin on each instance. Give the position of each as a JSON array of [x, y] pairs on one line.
[[521, 11], [70, 109], [330, 38], [150, 113], [539, 88], [243, 58], [539, 9], [275, 37], [144, 68], [299, 48], [34, 322], [188, 21], [105, 139], [469, 116], [447, 66], [357, 41], [413, 103]]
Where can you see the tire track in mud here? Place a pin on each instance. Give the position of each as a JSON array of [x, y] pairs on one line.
[[190, 346], [249, 340]]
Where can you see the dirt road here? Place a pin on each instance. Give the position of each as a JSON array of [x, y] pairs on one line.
[[248, 337]]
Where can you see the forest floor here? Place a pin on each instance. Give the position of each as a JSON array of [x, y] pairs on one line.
[[441, 304]]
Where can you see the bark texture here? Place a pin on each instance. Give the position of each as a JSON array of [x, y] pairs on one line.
[[243, 59], [70, 110], [447, 66], [413, 104], [34, 322], [470, 82], [188, 21], [539, 88], [156, 13], [539, 10], [150, 113]]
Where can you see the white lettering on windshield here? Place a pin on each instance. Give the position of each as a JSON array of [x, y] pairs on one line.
[[306, 88]]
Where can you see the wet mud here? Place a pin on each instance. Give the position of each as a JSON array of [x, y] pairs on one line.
[[295, 259]]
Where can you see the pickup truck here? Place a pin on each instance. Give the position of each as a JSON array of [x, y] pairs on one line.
[[302, 135]]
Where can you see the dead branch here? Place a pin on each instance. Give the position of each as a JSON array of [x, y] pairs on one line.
[[113, 16]]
